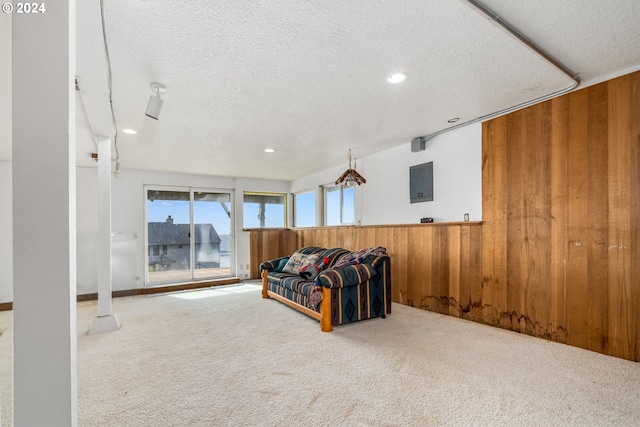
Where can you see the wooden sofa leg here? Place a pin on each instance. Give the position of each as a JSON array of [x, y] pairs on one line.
[[264, 284], [325, 310]]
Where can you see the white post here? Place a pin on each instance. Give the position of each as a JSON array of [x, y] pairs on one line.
[[44, 216], [106, 321]]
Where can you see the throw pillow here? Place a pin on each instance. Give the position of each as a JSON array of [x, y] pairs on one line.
[[281, 265], [309, 271], [322, 264], [297, 261]]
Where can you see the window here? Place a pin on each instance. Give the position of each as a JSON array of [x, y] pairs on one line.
[[339, 205], [157, 250], [264, 210], [304, 209]]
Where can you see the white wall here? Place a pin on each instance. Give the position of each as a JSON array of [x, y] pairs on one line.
[[86, 229], [457, 180], [384, 199], [6, 233]]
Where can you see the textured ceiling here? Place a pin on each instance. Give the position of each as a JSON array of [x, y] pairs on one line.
[[308, 77]]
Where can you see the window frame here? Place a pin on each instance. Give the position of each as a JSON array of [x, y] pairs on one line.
[[341, 216], [294, 206], [285, 199]]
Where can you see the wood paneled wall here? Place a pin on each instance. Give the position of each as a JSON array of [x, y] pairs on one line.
[[561, 185], [266, 244], [557, 254]]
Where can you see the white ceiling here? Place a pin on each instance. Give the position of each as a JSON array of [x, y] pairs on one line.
[[308, 77]]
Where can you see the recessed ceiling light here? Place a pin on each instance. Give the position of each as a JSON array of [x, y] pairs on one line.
[[129, 131], [269, 150], [455, 119], [396, 78]]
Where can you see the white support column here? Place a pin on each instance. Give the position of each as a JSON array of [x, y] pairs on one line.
[[44, 217], [106, 321]]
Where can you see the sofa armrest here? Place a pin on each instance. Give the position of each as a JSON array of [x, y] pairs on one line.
[[379, 260], [271, 264], [348, 275]]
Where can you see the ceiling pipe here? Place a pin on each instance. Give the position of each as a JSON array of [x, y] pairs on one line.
[[523, 39]]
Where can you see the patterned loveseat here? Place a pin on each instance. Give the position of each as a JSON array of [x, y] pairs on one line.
[[334, 286]]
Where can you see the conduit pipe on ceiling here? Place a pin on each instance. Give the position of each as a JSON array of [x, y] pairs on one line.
[[523, 39]]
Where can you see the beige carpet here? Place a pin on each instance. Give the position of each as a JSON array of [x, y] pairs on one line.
[[226, 357]]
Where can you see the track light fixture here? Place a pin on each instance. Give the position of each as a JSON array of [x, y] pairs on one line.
[[155, 103]]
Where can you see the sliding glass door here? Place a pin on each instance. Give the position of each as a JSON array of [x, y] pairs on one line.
[[168, 236], [212, 223], [188, 235]]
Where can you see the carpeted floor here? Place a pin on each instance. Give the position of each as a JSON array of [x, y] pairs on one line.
[[226, 357]]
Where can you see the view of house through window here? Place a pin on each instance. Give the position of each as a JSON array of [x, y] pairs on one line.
[[188, 235], [264, 210], [304, 209], [155, 250], [339, 205]]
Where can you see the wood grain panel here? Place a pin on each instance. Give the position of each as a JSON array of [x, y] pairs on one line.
[[494, 228], [471, 273], [516, 160], [266, 244], [619, 233], [399, 248], [422, 295], [453, 257], [577, 167], [634, 166], [559, 217], [435, 265], [597, 218], [416, 265], [537, 302]]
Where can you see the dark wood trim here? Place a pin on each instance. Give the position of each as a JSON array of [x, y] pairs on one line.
[[343, 227], [265, 229], [87, 297], [189, 286], [114, 294], [6, 306]]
